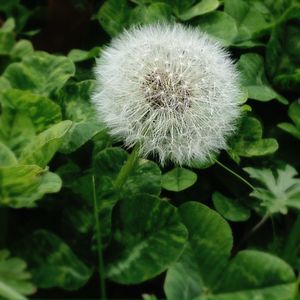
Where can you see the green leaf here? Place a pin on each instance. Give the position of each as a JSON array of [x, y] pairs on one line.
[[201, 8], [7, 157], [178, 179], [243, 95], [256, 275], [149, 297], [16, 129], [291, 129], [43, 147], [80, 219], [249, 142], [7, 38], [197, 164], [113, 16], [147, 237], [252, 19], [230, 209], [82, 186], [204, 270], [78, 55], [77, 107], [53, 264], [20, 49], [22, 185], [220, 25], [14, 279], [78, 215], [210, 239], [75, 101], [289, 250], [7, 41], [78, 135], [282, 57], [144, 178], [41, 110], [279, 8], [251, 65], [156, 12], [15, 9], [288, 82], [42, 73], [294, 114], [279, 189], [204, 257], [4, 83], [8, 26]]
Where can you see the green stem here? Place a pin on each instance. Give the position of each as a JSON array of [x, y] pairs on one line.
[[126, 168], [273, 227], [99, 244], [251, 232], [236, 175], [293, 241]]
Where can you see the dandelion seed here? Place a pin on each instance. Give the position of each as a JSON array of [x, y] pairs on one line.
[[171, 89]]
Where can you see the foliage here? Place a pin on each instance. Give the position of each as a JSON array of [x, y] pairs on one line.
[[203, 270], [60, 168], [230, 209], [178, 179], [14, 279], [280, 190], [294, 114]]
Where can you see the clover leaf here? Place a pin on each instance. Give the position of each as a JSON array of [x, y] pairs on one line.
[[206, 271], [294, 114], [249, 141]]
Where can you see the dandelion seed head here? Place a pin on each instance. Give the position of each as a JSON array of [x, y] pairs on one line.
[[169, 88]]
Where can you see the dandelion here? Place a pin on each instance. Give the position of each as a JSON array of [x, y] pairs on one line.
[[170, 89]]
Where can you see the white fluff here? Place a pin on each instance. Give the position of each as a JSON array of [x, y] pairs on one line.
[[169, 88]]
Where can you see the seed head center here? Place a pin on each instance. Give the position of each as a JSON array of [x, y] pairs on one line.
[[165, 89]]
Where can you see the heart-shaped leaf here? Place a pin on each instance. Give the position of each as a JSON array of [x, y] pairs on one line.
[[53, 264], [147, 237], [205, 271]]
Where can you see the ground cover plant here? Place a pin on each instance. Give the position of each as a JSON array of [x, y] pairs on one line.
[[84, 217]]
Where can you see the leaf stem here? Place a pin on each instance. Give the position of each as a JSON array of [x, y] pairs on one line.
[[99, 244], [127, 167], [293, 241], [251, 232], [235, 174]]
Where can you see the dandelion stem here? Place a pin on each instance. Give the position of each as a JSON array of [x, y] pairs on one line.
[[99, 244], [236, 175], [126, 168]]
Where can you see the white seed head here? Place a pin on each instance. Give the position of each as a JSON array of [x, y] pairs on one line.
[[171, 89]]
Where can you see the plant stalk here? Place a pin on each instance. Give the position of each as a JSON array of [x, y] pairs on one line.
[[235, 174], [251, 232], [293, 241], [127, 168], [99, 244]]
